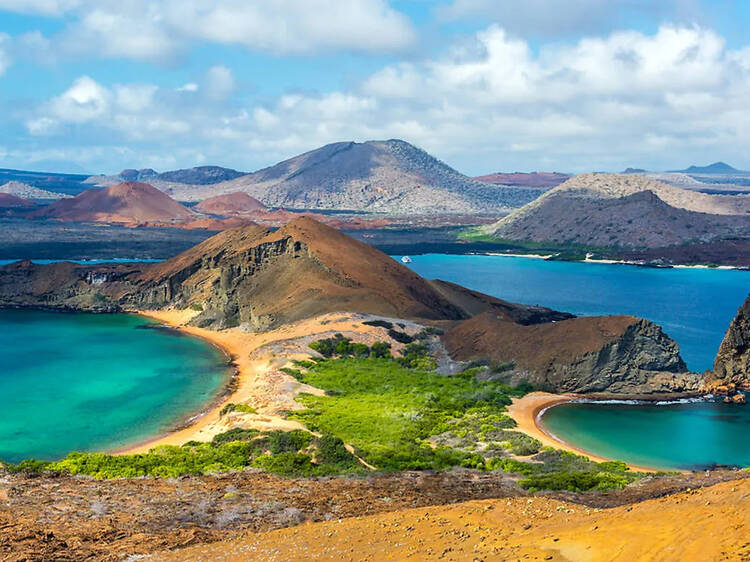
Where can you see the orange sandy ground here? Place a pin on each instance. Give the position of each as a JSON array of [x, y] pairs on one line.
[[698, 525]]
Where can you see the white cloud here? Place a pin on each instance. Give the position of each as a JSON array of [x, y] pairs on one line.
[[219, 82], [158, 30], [189, 87], [85, 100], [294, 26], [661, 100]]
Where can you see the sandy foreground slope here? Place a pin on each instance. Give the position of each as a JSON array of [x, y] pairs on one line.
[[706, 524]]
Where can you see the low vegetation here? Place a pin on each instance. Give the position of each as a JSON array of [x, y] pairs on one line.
[[552, 469], [242, 408], [559, 251], [288, 453]]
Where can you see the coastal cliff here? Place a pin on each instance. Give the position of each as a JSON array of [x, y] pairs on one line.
[[732, 364], [620, 355]]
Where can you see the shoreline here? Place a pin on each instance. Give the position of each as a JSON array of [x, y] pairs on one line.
[[606, 261], [190, 423], [203, 426], [257, 381], [528, 411]]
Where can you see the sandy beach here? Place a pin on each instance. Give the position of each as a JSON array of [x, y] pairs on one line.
[[526, 412], [257, 358], [508, 255]]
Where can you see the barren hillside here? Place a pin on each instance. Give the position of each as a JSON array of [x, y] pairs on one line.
[[617, 210]]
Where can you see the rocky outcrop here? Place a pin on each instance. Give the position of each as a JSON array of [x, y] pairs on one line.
[[610, 355], [69, 286], [732, 363]]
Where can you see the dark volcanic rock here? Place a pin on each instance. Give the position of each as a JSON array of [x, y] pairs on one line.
[[609, 354], [732, 364], [201, 175]]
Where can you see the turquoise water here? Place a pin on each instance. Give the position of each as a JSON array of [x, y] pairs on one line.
[[94, 382], [694, 306], [677, 436]]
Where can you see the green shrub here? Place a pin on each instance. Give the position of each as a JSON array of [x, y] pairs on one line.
[[389, 411], [28, 466], [294, 453], [379, 324], [288, 441], [503, 367], [243, 408], [380, 350], [296, 373], [287, 464], [400, 337], [581, 481], [235, 434]]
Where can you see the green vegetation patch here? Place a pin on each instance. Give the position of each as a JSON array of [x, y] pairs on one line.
[[553, 469], [288, 453], [388, 409], [486, 432], [242, 408], [397, 413], [339, 346]]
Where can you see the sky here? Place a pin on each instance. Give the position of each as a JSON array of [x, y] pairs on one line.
[[97, 86]]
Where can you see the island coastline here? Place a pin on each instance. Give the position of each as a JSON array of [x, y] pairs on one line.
[[527, 412]]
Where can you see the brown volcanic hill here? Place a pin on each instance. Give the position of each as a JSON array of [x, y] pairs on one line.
[[127, 202], [236, 203], [606, 354], [8, 201], [628, 211], [261, 279], [732, 363], [521, 179], [381, 176]]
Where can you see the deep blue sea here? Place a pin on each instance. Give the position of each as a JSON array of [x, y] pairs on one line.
[[694, 306]]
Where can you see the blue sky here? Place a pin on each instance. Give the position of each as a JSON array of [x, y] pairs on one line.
[[98, 86]]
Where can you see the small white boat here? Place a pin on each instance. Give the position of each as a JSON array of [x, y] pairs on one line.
[[406, 259]]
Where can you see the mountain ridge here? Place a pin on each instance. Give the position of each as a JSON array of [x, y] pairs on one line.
[[390, 176], [715, 168]]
